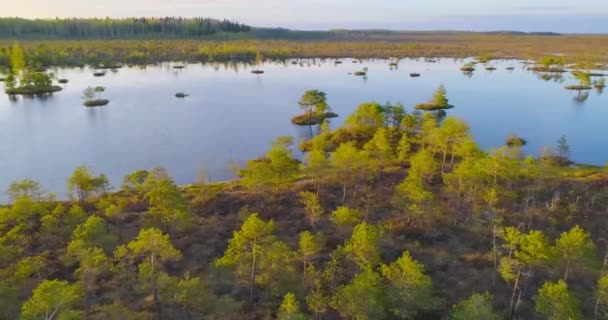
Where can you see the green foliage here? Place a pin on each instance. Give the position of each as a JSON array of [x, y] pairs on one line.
[[317, 301], [555, 302], [314, 209], [368, 118], [363, 247], [60, 224], [601, 293], [314, 102], [275, 172], [25, 188], [363, 298], [17, 59], [380, 147], [477, 306], [290, 308], [257, 257], [575, 247], [92, 93], [550, 61], [440, 97], [167, 203], [52, 299], [93, 232], [409, 290], [404, 148], [83, 183], [563, 148], [310, 247], [414, 191], [346, 216], [352, 167], [135, 181], [155, 245]]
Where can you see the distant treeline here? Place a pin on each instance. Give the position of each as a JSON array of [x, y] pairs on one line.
[[168, 27]]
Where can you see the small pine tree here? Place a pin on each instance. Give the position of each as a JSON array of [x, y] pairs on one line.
[[440, 97]]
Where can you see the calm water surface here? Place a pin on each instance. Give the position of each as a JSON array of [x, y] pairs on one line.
[[233, 115]]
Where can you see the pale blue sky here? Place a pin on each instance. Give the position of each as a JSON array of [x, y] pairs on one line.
[[525, 15]]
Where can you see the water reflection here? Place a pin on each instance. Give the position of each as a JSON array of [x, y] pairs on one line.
[[581, 97]]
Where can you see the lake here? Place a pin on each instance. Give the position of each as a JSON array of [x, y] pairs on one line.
[[233, 115]]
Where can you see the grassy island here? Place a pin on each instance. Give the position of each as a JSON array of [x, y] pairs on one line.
[[431, 106], [33, 90], [96, 103], [314, 119], [91, 97], [547, 69], [577, 87], [314, 103], [439, 102], [515, 141]]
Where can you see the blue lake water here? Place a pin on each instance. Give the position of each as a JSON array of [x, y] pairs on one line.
[[233, 115]]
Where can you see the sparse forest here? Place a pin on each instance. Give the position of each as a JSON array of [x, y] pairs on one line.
[[395, 215]]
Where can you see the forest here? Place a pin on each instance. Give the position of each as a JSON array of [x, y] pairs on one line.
[[129, 28], [394, 215]]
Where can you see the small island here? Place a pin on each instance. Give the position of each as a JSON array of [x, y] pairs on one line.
[[439, 102], [584, 82], [514, 140], [25, 80], [314, 102], [361, 73], [468, 67], [490, 68], [99, 74], [181, 95], [91, 97], [63, 81], [549, 64], [259, 60]]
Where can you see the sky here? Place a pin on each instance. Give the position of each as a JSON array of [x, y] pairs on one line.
[[568, 16]]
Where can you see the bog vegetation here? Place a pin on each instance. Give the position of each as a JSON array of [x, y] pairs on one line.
[[395, 215], [283, 44]]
